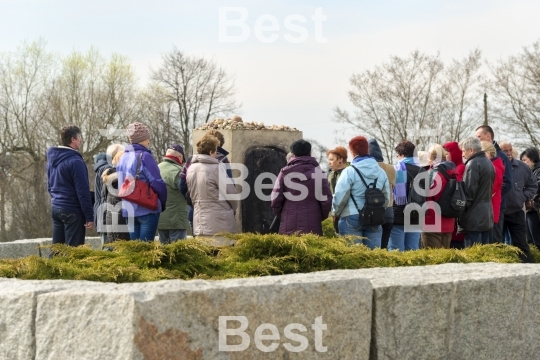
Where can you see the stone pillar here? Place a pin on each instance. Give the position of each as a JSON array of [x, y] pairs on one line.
[[261, 151]]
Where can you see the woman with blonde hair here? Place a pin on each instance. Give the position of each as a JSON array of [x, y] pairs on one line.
[[116, 224], [496, 196], [440, 171], [211, 191]]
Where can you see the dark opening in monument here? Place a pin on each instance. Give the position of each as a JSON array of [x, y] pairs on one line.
[[257, 214]]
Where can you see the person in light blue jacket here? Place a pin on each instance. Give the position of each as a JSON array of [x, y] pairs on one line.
[[349, 184]]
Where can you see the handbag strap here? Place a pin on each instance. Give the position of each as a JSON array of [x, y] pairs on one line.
[[138, 171]]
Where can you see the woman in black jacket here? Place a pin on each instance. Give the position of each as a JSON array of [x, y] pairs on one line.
[[531, 157]]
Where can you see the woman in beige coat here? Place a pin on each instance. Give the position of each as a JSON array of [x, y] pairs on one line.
[[210, 190]]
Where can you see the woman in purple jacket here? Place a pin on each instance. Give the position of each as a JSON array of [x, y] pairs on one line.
[[301, 197], [142, 222]]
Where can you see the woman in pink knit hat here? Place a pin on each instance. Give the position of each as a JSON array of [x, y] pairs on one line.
[[142, 222]]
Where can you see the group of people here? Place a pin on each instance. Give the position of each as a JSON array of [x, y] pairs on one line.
[[367, 198], [500, 205], [179, 195]]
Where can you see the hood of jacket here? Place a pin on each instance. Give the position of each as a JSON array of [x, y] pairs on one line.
[[205, 159], [100, 160], [368, 166], [57, 154], [455, 152], [375, 150], [301, 164]]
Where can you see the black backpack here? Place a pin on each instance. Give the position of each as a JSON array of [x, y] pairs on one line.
[[414, 196], [453, 196], [373, 212]]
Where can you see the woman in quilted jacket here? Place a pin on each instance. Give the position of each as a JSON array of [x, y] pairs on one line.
[[211, 191], [294, 197]]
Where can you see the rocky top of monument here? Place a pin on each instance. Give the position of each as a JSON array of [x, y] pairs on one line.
[[236, 123]]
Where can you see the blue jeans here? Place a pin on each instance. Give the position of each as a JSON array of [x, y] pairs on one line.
[[170, 236], [144, 228], [401, 240], [68, 227], [507, 237], [350, 225], [476, 237]]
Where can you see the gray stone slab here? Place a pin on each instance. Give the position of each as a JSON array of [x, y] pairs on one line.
[[18, 303], [22, 248], [456, 311], [181, 319], [451, 311], [94, 242]]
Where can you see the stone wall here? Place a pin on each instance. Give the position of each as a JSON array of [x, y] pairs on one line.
[[451, 311], [23, 248]]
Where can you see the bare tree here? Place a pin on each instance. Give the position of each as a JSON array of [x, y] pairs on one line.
[[515, 89], [460, 99], [318, 151], [196, 89], [24, 77], [156, 111], [39, 94], [95, 94], [413, 98]]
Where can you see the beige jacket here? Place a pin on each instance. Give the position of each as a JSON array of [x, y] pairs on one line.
[[391, 174], [211, 215]]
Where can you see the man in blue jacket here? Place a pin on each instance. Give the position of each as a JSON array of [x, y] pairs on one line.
[[67, 183]]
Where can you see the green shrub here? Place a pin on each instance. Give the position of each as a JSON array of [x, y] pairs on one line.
[[253, 255], [328, 228]]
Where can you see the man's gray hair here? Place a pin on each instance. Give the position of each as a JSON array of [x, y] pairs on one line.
[[471, 143], [504, 142]]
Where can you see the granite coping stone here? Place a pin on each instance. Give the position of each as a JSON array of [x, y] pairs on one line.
[[450, 311], [180, 319]]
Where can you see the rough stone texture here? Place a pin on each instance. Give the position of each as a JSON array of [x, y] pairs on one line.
[[94, 242], [238, 142], [452, 311], [456, 311], [18, 303], [179, 319], [22, 248]]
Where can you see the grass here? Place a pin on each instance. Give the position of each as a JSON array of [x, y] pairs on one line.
[[253, 255]]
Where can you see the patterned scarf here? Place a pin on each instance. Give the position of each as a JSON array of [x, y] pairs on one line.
[[400, 189]]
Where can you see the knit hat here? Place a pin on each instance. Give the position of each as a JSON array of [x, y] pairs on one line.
[[178, 148], [301, 148], [137, 133]]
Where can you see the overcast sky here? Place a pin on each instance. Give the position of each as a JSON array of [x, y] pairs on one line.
[[296, 84]]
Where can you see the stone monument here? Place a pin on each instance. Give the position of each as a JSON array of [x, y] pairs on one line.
[[262, 149]]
